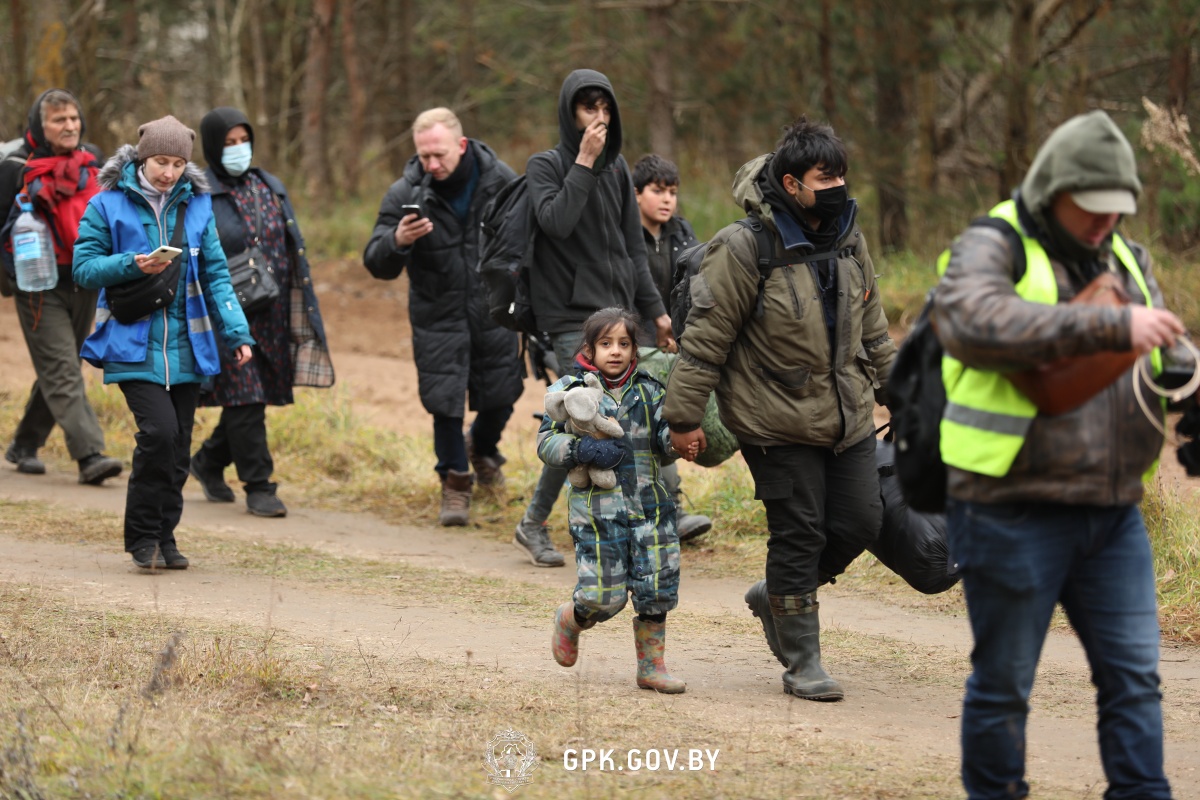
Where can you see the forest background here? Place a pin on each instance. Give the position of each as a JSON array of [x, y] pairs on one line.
[[942, 102]]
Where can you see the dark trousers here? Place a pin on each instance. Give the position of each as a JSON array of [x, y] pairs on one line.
[[451, 448], [154, 502], [55, 323], [240, 438], [822, 510]]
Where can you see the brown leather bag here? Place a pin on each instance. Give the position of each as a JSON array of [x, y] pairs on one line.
[[1068, 383]]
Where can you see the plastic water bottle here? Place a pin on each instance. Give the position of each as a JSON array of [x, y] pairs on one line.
[[33, 252]]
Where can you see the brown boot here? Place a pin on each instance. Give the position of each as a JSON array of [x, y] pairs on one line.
[[456, 498], [488, 472]]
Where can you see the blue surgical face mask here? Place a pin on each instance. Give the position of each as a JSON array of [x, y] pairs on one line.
[[236, 159]]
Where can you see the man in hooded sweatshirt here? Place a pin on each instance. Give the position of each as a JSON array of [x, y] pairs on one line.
[[798, 357], [429, 223], [589, 253], [58, 172], [1043, 508]]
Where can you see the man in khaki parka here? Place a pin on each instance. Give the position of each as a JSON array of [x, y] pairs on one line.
[[797, 369]]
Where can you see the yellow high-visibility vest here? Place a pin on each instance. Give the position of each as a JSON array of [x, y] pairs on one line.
[[987, 418]]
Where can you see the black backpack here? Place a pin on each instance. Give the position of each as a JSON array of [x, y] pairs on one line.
[[688, 264], [507, 232], [917, 397]]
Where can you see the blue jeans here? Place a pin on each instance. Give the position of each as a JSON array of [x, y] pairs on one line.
[[1017, 562], [550, 484]]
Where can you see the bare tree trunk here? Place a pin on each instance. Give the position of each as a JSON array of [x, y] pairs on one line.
[[662, 97], [1077, 93], [400, 106], [1179, 69], [1018, 102], [825, 57], [466, 65], [358, 98], [892, 72], [229, 50], [259, 112], [20, 34], [287, 68], [315, 158]]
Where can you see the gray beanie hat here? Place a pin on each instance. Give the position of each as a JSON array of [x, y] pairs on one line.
[[165, 137]]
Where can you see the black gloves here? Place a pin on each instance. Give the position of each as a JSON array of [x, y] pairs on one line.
[[1188, 453], [600, 453]]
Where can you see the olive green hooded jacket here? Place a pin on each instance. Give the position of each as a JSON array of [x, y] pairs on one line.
[[777, 378]]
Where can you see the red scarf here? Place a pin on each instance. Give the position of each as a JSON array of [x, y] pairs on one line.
[[583, 361], [60, 187]]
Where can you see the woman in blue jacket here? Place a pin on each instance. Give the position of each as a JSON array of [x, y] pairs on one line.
[[160, 359]]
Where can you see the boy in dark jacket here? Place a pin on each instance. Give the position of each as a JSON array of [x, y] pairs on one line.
[[656, 181]]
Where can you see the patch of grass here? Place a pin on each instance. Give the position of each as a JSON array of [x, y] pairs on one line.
[[245, 713], [1175, 539]]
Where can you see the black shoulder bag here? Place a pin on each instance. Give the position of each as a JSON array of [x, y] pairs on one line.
[[252, 278], [132, 300]]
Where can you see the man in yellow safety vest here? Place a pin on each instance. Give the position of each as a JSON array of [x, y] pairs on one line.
[[1043, 509]]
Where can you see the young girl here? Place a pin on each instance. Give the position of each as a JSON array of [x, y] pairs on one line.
[[625, 537]]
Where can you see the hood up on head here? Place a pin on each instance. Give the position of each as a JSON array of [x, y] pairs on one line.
[[569, 135], [213, 128], [1086, 154], [113, 169], [35, 134]]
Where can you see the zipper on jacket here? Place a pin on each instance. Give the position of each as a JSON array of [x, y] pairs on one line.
[[166, 361]]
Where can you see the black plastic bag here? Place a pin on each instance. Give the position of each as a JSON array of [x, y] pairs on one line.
[[911, 544]]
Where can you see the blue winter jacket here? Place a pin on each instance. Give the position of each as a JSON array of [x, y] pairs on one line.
[[177, 344]]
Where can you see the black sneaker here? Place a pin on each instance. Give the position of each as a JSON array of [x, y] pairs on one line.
[[97, 468], [265, 504], [148, 557], [211, 481], [26, 459], [172, 556]]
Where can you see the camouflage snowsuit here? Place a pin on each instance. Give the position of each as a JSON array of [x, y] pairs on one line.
[[625, 537]]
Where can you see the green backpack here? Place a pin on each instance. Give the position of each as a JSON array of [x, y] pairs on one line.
[[721, 443]]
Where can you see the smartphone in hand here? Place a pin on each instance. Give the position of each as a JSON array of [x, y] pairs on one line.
[[410, 208], [165, 253]]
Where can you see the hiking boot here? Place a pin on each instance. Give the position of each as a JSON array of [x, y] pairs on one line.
[[264, 503], [97, 468], [532, 540], [487, 468], [650, 638], [25, 458], [456, 498], [692, 525], [173, 558], [211, 480], [149, 557]]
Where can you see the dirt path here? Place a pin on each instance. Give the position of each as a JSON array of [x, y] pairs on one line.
[[733, 682], [904, 716]]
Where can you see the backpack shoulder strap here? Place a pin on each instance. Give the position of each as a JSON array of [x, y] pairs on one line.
[[1015, 242]]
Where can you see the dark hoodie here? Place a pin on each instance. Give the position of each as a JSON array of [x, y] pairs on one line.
[[213, 128], [590, 254]]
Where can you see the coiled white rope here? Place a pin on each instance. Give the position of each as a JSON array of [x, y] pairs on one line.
[[1142, 373]]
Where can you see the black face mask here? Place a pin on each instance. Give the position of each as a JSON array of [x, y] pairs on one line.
[[828, 204]]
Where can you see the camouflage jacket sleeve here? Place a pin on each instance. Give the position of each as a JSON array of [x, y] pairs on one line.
[[556, 447], [662, 431], [984, 323]]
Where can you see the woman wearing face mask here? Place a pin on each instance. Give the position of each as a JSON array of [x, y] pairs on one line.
[[251, 207], [153, 195]]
